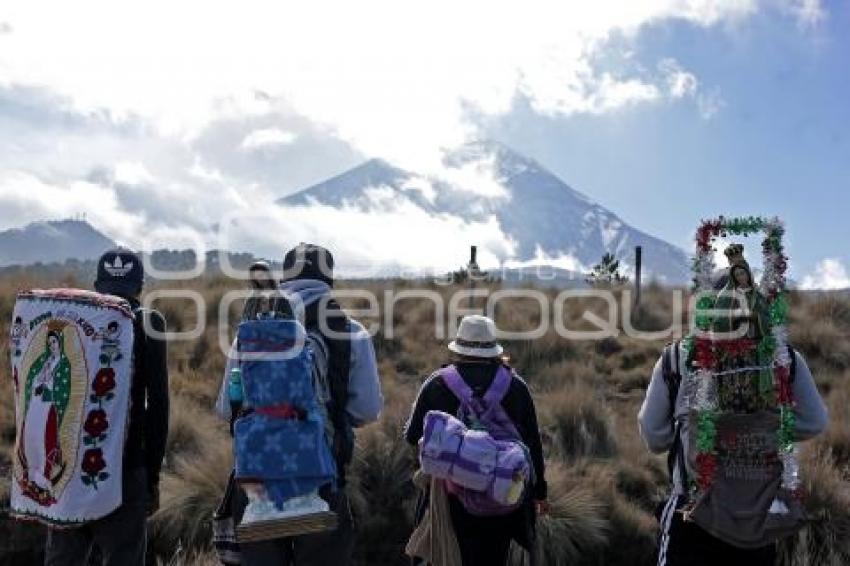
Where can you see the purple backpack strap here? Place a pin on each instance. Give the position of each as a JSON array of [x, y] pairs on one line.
[[499, 423], [492, 397], [499, 388], [456, 384]]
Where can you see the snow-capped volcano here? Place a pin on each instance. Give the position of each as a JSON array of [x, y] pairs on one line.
[[545, 220]]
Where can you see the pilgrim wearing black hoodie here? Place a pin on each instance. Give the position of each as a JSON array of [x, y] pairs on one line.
[[121, 536]]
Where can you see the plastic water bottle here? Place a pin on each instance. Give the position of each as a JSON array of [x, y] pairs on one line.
[[234, 387]]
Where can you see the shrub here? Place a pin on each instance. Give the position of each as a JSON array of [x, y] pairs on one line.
[[826, 539], [602, 487], [190, 492], [192, 429], [382, 495], [823, 343], [576, 527], [578, 424]]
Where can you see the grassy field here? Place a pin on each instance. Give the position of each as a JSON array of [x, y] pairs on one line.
[[603, 483]]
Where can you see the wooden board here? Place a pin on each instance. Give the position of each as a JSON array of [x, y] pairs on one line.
[[281, 528]]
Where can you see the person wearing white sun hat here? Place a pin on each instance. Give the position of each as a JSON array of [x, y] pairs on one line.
[[477, 357], [476, 337]]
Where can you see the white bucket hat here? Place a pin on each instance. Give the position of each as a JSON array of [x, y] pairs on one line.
[[476, 337]]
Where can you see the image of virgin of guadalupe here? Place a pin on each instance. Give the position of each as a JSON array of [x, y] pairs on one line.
[[743, 305], [47, 391], [740, 298]]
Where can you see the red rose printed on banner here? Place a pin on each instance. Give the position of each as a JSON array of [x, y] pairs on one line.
[[96, 427], [93, 466], [96, 423], [93, 461], [104, 383]]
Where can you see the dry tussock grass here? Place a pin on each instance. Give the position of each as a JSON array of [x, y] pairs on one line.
[[382, 495], [190, 492], [578, 526], [578, 424], [826, 541], [603, 482]]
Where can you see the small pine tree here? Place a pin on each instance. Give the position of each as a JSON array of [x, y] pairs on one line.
[[464, 274], [460, 276], [606, 272]]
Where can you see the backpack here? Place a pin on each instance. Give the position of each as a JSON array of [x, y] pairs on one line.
[[72, 372], [744, 505], [224, 537], [486, 465], [141, 375], [281, 440]]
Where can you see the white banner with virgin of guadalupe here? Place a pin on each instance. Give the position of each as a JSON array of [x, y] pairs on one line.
[[72, 355]]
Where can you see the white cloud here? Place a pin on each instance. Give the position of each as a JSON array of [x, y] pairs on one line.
[[132, 213], [710, 103], [809, 13], [269, 137], [25, 198], [679, 82], [391, 77], [542, 259], [155, 90], [477, 176], [613, 93], [829, 274], [367, 243], [171, 214], [422, 186], [132, 173], [201, 171]]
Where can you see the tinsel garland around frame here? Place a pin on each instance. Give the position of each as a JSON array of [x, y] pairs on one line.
[[708, 354]]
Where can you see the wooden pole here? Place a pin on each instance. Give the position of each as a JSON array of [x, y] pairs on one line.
[[638, 262], [472, 272]]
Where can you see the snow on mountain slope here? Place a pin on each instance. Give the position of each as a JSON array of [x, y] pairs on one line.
[[544, 218]]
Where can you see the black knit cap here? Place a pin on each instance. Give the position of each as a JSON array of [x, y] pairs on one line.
[[261, 275], [120, 272], [309, 261]]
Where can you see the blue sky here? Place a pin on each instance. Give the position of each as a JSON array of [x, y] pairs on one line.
[[158, 123], [779, 144]]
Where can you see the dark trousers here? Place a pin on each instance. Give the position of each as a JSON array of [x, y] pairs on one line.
[[686, 544], [120, 536], [331, 548], [483, 541]]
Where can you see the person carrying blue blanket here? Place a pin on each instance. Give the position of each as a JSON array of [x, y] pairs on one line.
[[344, 368], [282, 457]]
